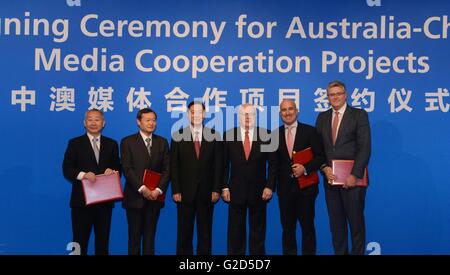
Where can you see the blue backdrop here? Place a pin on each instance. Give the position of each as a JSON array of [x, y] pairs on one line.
[[393, 55]]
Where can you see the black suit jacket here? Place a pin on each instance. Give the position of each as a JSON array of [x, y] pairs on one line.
[[196, 178], [247, 179], [135, 159], [353, 140], [306, 136], [80, 157]]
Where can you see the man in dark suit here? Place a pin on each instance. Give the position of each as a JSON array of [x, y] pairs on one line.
[[345, 133], [246, 186], [296, 204], [87, 156], [143, 150], [196, 165]]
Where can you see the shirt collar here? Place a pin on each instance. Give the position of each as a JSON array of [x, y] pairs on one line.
[[250, 130], [195, 129], [294, 125], [144, 136], [92, 137], [341, 110]]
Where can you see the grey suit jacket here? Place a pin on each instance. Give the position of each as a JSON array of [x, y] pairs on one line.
[[353, 139]]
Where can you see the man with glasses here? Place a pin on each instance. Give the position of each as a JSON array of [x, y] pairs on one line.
[[345, 132]]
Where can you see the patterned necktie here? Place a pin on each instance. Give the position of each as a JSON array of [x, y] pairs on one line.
[[335, 126], [247, 145], [290, 141], [96, 150], [149, 146], [197, 144]]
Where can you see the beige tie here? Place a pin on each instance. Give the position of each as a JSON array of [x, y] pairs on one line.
[[149, 146], [96, 150]]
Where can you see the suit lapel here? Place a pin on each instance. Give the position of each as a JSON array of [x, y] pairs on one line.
[[88, 145], [102, 150], [239, 142], [143, 147], [283, 145], [328, 126], [297, 137], [190, 135], [254, 145], [345, 120], [155, 142], [203, 144]]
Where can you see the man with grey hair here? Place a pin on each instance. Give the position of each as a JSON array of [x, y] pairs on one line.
[[345, 132], [246, 187], [87, 156]]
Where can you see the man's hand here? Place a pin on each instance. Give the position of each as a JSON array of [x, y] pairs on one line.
[[146, 193], [226, 195], [109, 171], [329, 174], [154, 194], [350, 182], [176, 197], [214, 197], [298, 170], [267, 194], [89, 176]]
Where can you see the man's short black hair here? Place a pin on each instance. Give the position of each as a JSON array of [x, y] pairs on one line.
[[196, 102], [145, 111]]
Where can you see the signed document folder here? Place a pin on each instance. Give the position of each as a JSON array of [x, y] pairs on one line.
[[105, 188], [303, 157], [343, 168], [151, 181]]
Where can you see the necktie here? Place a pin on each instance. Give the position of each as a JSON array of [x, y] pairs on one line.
[[247, 145], [197, 144], [334, 127], [96, 150], [290, 141], [149, 146]]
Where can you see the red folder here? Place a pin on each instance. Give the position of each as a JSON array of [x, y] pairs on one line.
[[105, 188], [343, 168], [151, 180], [303, 157]]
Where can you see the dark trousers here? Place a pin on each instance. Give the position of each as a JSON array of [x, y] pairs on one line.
[[188, 213], [142, 228], [294, 208], [346, 207], [237, 224], [83, 219]]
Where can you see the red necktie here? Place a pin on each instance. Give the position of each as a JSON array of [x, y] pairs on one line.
[[290, 141], [197, 145], [335, 126], [247, 145]]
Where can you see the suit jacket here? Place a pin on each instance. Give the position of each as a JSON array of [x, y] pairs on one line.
[[135, 159], [306, 136], [353, 139], [80, 157], [247, 179], [196, 178]]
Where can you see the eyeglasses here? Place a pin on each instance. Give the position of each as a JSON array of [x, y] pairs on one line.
[[336, 94]]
